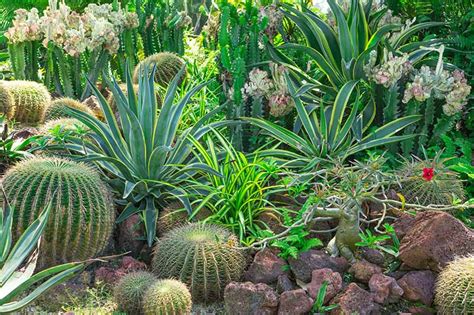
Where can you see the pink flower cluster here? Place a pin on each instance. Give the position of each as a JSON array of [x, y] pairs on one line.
[[389, 72], [25, 27]]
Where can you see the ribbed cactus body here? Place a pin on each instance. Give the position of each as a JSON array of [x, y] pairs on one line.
[[167, 297], [442, 189], [205, 257], [129, 291], [167, 66], [30, 100], [82, 216], [455, 288], [6, 102], [59, 108]]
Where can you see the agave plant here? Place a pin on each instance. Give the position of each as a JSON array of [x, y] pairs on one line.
[[12, 149], [18, 263], [141, 150], [331, 132]]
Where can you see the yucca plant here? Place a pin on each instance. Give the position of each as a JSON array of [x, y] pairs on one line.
[[141, 150], [332, 132], [18, 263]]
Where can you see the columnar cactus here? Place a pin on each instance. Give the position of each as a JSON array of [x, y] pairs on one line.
[[30, 100], [129, 291], [58, 108], [82, 215], [6, 102], [167, 66], [167, 297], [203, 256], [455, 287]]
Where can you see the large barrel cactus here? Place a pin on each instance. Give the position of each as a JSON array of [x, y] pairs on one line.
[[167, 297], [167, 67], [130, 289], [203, 256], [82, 217], [455, 287], [30, 100], [59, 108], [6, 102]]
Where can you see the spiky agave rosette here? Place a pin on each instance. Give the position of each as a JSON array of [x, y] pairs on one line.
[[167, 67], [59, 108], [167, 297]]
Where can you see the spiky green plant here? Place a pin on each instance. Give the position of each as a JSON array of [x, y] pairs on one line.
[[203, 256], [30, 100], [63, 124], [123, 88], [167, 297], [58, 108], [82, 215], [129, 291], [6, 102], [167, 67], [455, 287], [429, 182]]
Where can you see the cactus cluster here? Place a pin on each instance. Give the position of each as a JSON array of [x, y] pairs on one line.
[[30, 100], [6, 102], [82, 215], [129, 291], [430, 183], [167, 297], [203, 256], [455, 287], [59, 108], [167, 67]]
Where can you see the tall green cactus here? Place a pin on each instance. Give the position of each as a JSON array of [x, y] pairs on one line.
[[82, 215]]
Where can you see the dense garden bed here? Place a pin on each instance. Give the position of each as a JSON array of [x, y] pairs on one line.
[[237, 157]]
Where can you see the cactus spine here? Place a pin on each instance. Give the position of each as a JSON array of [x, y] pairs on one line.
[[203, 256], [167, 66], [167, 297], [82, 217], [30, 100], [455, 287], [59, 108], [130, 289], [6, 102]]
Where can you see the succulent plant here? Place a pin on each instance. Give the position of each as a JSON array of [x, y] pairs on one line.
[[203, 256], [66, 124], [455, 287], [82, 215], [430, 183], [174, 215], [129, 291], [167, 67], [30, 100], [123, 87], [6, 102], [167, 297], [58, 108]]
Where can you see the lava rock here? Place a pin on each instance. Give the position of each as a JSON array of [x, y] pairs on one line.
[[295, 302], [110, 275], [385, 289], [248, 298], [355, 300], [284, 284], [319, 276], [434, 240], [403, 224], [373, 256], [266, 268], [418, 286], [364, 270], [303, 266], [130, 234]]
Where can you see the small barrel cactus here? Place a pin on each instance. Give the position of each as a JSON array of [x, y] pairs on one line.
[[82, 215], [7, 107], [167, 297], [430, 183], [30, 100], [203, 256], [167, 67], [58, 108], [455, 287], [129, 291]]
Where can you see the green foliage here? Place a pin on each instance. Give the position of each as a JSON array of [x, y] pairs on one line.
[[296, 242], [30, 100], [141, 150], [203, 256], [370, 240], [58, 108], [131, 288], [7, 107], [18, 263], [318, 306], [82, 213], [167, 64], [13, 149], [455, 287], [167, 297]]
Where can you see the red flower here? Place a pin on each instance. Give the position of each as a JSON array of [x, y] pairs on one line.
[[428, 173]]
